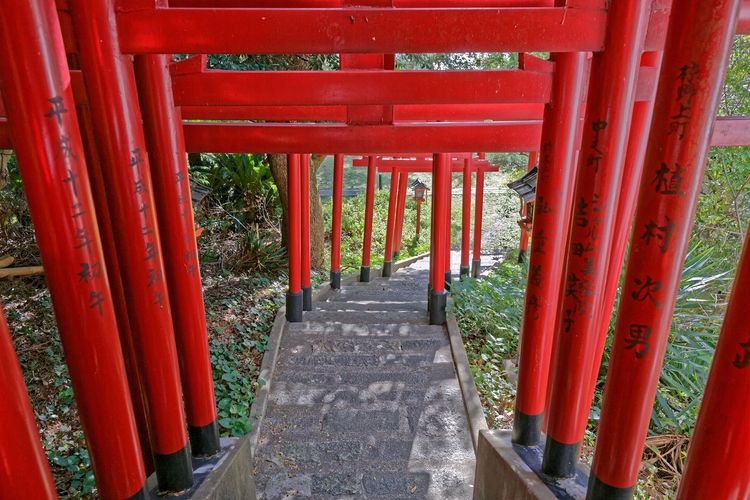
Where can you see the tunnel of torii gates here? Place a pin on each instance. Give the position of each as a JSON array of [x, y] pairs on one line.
[[622, 115]]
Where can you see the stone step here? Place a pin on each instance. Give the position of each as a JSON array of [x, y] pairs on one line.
[[357, 360], [365, 317], [301, 394], [308, 344], [387, 306], [388, 454], [392, 374], [448, 483], [361, 330]]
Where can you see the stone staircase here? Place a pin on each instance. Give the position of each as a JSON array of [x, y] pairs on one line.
[[364, 401]]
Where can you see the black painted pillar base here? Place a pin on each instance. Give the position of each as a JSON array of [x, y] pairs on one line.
[[336, 280], [141, 494], [527, 429], [521, 256], [364, 274], [476, 268], [204, 440], [174, 472], [464, 272], [387, 266], [448, 281], [294, 307], [601, 491], [438, 301], [560, 459], [307, 299]]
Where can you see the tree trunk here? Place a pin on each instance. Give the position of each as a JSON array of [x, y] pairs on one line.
[[277, 162], [278, 171], [5, 155], [317, 228], [194, 159]]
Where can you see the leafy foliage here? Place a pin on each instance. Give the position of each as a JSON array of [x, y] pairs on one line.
[[240, 311], [697, 320], [270, 62], [489, 315], [237, 179], [352, 229], [465, 60]]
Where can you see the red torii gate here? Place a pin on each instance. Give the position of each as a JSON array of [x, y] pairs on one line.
[[401, 165], [130, 283]]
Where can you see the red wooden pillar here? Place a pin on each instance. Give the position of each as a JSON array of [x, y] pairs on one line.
[[25, 472], [403, 180], [466, 219], [557, 169], [110, 86], [305, 202], [390, 230], [627, 196], [609, 106], [364, 272], [35, 83], [337, 200], [695, 60], [162, 125], [441, 165], [523, 245], [720, 447], [294, 239], [448, 226], [127, 342], [476, 264]]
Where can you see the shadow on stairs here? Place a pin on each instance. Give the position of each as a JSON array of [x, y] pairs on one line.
[[363, 400]]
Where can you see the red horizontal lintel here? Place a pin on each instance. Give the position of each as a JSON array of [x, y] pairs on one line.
[[360, 30], [248, 88], [337, 138]]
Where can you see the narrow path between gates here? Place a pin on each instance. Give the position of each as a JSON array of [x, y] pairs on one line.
[[365, 401]]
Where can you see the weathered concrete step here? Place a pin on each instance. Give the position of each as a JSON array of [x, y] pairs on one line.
[[449, 483], [299, 394], [361, 330], [365, 317], [329, 454], [308, 344], [439, 419], [393, 295], [368, 305], [358, 360], [392, 374]]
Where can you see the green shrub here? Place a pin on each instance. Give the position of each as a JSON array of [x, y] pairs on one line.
[[489, 315], [352, 229]]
